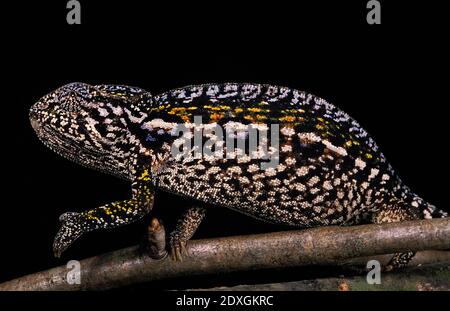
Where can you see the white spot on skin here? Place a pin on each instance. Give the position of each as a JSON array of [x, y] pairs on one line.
[[116, 110], [244, 180], [385, 177], [426, 214], [243, 159], [308, 138], [270, 172], [253, 168], [314, 190], [159, 123], [290, 161], [103, 112], [305, 205], [300, 187], [136, 119], [275, 182], [281, 167], [373, 172], [258, 176], [350, 195], [337, 150], [327, 185], [213, 170], [271, 193], [313, 180], [286, 148], [287, 131], [302, 171], [234, 170], [360, 163]]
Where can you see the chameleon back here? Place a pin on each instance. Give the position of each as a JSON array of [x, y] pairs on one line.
[[329, 169]]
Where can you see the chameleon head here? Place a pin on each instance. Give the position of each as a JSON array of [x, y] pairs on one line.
[[85, 124]]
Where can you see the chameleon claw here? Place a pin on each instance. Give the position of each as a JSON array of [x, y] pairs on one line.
[[175, 253], [183, 248], [178, 254], [56, 253], [178, 250]]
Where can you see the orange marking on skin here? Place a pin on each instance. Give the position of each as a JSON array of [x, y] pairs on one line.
[[288, 119], [248, 117], [216, 116], [260, 117]]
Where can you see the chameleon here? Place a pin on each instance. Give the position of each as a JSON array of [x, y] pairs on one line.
[[327, 169]]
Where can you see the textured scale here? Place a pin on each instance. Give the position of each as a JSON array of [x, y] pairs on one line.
[[329, 172]]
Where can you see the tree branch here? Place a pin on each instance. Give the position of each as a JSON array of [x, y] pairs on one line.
[[424, 278], [317, 246]]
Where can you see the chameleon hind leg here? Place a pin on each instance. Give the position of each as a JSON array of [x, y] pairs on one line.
[[395, 212], [110, 215], [184, 230]]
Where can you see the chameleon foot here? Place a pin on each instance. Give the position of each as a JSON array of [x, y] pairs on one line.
[[177, 248], [185, 229], [399, 261], [71, 229]]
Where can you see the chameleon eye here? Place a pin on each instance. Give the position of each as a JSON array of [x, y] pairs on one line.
[[70, 103]]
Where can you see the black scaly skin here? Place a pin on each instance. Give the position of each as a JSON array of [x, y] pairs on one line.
[[330, 171]]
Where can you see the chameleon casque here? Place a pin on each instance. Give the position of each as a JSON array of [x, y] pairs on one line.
[[329, 172]]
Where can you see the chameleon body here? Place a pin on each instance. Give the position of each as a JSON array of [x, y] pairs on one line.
[[329, 171]]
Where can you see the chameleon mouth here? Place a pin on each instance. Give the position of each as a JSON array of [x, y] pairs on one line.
[[61, 144], [35, 125], [64, 147]]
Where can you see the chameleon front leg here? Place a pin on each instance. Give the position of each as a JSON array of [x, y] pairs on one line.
[[184, 230], [107, 216]]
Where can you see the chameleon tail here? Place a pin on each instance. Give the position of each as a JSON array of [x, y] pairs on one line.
[[433, 212], [427, 210]]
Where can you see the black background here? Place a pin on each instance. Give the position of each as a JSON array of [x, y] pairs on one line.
[[392, 78]]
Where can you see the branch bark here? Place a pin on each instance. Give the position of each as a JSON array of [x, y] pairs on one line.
[[317, 246], [434, 277]]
